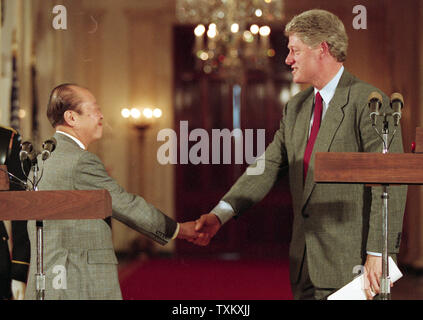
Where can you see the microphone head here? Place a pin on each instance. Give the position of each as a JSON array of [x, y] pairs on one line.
[[23, 155], [26, 151], [397, 97], [26, 146], [50, 144], [397, 102], [375, 103], [375, 96], [48, 147], [45, 154]]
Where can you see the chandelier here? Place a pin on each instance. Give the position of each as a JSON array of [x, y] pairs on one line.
[[231, 35]]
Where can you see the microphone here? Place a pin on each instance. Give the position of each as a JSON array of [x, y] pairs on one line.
[[375, 103], [27, 152], [48, 147], [397, 102]]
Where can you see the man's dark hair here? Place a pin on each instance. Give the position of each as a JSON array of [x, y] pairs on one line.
[[62, 98]]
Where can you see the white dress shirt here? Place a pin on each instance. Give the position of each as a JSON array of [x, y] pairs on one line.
[[327, 94]]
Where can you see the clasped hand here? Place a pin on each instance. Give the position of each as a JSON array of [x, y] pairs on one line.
[[201, 231]]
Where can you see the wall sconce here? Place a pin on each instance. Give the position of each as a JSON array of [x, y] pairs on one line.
[[141, 118]]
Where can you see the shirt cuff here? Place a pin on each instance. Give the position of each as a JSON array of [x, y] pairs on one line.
[[223, 211], [377, 254], [176, 232]]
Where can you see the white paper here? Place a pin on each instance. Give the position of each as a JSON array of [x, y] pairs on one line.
[[355, 289]]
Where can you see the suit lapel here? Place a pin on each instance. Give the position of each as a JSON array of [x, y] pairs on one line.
[[328, 128]]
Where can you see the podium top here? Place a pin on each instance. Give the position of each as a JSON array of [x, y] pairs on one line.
[[368, 168], [55, 205], [371, 168]]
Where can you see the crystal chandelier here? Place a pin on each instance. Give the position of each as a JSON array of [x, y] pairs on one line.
[[231, 35]]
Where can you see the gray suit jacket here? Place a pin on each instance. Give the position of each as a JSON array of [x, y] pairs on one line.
[[84, 247], [336, 223]]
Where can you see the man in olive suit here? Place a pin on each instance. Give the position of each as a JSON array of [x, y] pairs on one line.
[[336, 226], [82, 250]]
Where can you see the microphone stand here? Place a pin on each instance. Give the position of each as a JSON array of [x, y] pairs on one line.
[[385, 288], [40, 281], [40, 278], [385, 281]]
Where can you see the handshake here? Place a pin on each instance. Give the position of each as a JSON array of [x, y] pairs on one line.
[[200, 231]]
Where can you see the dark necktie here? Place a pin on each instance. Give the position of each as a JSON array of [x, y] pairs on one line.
[[318, 107]]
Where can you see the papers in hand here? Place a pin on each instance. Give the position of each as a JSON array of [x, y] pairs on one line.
[[355, 289]]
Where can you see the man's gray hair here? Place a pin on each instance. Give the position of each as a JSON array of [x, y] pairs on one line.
[[316, 26]]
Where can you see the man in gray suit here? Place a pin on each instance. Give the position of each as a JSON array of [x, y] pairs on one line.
[[336, 227], [82, 251]]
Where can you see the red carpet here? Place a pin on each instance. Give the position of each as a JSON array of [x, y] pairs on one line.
[[191, 279]]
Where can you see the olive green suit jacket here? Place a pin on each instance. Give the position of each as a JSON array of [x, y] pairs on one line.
[[79, 259], [336, 223]]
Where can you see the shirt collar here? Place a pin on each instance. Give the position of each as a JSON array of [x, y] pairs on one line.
[[328, 91], [73, 138]]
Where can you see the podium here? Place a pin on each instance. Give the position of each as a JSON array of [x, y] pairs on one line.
[[51, 205], [373, 169]]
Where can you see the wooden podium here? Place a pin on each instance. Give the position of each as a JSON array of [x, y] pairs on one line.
[[50, 205], [373, 169]]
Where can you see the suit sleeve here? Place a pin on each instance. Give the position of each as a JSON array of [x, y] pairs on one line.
[[250, 189], [397, 194], [128, 208]]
